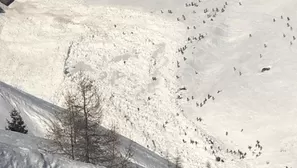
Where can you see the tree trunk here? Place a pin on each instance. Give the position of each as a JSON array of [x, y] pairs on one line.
[[87, 155]]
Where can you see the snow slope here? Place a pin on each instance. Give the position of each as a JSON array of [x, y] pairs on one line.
[[22, 151], [56, 40], [168, 89], [37, 115], [250, 105]]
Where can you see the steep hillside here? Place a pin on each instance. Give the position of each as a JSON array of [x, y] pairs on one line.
[[206, 79], [56, 43], [38, 115]]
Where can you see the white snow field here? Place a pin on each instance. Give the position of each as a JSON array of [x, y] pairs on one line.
[[178, 76]]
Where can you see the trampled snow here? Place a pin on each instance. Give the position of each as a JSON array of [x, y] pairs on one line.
[[177, 78]]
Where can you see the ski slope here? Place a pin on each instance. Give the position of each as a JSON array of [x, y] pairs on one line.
[[178, 76]]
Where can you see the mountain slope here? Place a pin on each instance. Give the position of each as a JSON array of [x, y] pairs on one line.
[[55, 45], [248, 104], [178, 75], [35, 113]]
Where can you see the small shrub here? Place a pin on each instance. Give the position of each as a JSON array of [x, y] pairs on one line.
[[265, 69], [218, 159]]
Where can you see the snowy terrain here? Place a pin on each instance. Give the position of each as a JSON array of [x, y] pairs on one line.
[[178, 76], [37, 114], [21, 151]]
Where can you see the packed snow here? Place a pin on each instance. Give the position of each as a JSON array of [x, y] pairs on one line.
[[203, 79]]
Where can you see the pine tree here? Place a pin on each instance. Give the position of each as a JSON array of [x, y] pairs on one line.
[[17, 124]]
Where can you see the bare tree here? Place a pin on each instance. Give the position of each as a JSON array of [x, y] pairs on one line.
[[168, 159], [114, 157], [88, 103], [78, 133], [64, 130], [178, 161]]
